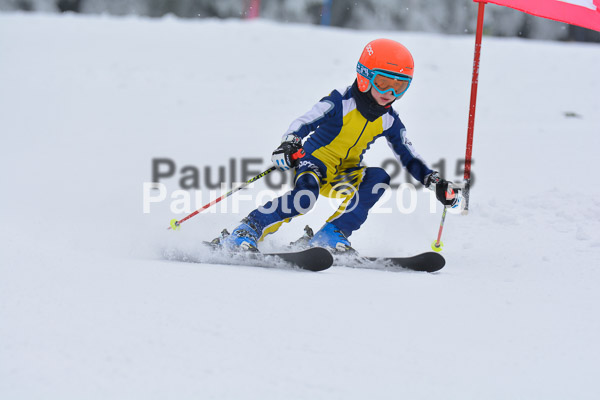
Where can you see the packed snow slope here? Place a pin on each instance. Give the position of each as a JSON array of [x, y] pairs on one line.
[[90, 310]]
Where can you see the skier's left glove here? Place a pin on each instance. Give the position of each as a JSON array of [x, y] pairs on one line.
[[444, 191], [287, 154]]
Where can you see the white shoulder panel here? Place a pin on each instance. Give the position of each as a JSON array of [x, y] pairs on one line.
[[348, 105], [388, 121], [315, 113]]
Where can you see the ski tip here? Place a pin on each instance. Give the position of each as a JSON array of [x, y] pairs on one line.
[[318, 250], [435, 261], [321, 259]]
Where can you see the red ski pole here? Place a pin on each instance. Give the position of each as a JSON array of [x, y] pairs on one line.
[[450, 194], [175, 224], [437, 244]]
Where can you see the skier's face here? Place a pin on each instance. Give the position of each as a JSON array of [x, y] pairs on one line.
[[383, 99]]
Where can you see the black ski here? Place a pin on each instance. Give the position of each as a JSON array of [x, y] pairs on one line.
[[425, 262], [312, 259]]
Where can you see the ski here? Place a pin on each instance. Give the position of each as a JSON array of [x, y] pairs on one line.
[[425, 262], [313, 259]]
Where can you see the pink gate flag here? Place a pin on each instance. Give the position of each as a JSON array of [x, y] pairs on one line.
[[584, 13]]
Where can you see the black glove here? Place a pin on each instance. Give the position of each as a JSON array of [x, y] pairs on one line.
[[444, 191], [287, 154]]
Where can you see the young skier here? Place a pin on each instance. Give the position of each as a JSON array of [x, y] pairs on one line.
[[343, 126]]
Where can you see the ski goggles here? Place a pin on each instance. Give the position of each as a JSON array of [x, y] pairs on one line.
[[385, 82]]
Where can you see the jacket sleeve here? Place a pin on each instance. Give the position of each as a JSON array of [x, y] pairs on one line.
[[325, 109], [405, 152]]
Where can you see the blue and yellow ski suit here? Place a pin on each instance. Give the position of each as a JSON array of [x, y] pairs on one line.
[[340, 128]]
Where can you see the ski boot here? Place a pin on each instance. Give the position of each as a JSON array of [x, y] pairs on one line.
[[303, 242], [243, 238], [216, 242], [330, 237]]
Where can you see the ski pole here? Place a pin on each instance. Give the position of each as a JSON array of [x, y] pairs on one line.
[[175, 224], [437, 244]]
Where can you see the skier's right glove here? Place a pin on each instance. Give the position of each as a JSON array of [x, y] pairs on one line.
[[287, 154], [443, 189]]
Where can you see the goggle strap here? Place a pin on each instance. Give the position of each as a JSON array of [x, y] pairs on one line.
[[364, 71]]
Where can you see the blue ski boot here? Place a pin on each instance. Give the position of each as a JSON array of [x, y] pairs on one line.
[[329, 236], [304, 242], [243, 238]]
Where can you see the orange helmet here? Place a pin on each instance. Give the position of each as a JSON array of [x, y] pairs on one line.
[[383, 55]]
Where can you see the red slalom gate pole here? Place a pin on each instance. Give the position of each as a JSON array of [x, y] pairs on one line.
[[473, 105], [437, 244]]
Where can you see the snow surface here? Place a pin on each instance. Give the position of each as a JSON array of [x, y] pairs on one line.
[[89, 310]]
